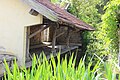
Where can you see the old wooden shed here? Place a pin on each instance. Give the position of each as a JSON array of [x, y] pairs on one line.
[[33, 26], [59, 31]]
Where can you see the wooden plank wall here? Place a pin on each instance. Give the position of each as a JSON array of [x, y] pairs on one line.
[[75, 37], [37, 38], [40, 37], [47, 35]]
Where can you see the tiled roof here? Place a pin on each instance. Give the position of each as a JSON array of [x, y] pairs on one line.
[[65, 16]]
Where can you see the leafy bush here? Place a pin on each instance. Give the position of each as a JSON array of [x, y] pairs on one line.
[[104, 40], [109, 31], [43, 69], [88, 12]]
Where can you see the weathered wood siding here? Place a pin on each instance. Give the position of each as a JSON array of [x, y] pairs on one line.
[[47, 35], [75, 37], [40, 37], [37, 38]]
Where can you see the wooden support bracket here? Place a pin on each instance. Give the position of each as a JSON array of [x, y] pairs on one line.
[[60, 34], [40, 30]]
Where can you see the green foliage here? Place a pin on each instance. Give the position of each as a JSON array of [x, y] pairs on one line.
[[85, 10], [104, 40], [42, 69], [54, 1], [61, 3], [88, 12], [108, 33]]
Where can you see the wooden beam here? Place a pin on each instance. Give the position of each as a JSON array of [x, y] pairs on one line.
[[60, 34], [69, 49], [33, 12], [38, 46], [29, 64], [40, 30], [72, 44], [42, 9]]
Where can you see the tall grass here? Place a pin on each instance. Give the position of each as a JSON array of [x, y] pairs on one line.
[[43, 69]]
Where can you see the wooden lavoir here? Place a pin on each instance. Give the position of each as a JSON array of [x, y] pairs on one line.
[[51, 38]]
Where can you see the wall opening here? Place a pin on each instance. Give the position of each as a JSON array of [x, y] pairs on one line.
[[42, 38]]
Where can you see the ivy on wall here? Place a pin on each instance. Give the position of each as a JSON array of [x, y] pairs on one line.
[[108, 32]]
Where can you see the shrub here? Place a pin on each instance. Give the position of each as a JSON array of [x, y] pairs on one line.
[[100, 14], [43, 69]]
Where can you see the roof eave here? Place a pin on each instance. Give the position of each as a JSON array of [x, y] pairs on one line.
[[40, 8], [53, 16]]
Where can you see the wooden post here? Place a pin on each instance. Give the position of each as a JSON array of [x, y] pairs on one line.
[[68, 37], [27, 43], [54, 39]]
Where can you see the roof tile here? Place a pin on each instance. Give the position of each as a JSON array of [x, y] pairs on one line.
[[64, 16]]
